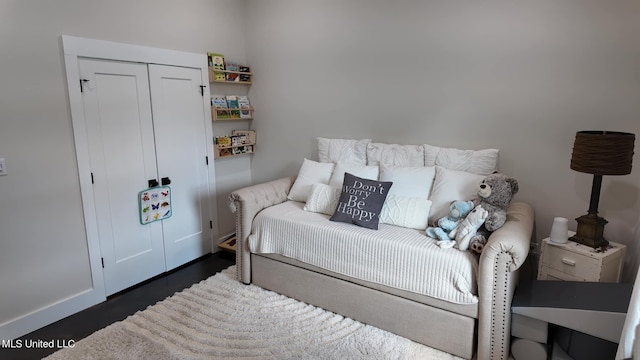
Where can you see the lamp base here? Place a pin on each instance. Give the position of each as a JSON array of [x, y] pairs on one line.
[[590, 231]]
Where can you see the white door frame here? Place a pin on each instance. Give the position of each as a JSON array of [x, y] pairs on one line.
[[75, 47]]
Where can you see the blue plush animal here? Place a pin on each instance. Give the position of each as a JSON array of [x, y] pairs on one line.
[[458, 210]]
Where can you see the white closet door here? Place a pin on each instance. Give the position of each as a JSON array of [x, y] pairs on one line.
[[179, 124], [117, 107]]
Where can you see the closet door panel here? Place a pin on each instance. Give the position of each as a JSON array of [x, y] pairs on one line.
[[179, 124], [117, 109]]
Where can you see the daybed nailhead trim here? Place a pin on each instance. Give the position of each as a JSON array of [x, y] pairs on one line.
[[503, 332]]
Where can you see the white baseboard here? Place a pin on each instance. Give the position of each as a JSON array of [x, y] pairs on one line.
[[49, 314]]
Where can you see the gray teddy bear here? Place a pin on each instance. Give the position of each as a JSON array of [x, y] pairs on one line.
[[494, 194]]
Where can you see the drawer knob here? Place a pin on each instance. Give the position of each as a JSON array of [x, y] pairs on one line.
[[568, 262]]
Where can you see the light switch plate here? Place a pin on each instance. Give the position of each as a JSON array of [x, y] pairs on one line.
[[3, 167]]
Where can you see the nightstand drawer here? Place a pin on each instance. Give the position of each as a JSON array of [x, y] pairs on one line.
[[576, 262], [547, 273], [571, 263]]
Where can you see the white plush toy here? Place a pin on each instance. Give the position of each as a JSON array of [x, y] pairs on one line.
[[468, 227]]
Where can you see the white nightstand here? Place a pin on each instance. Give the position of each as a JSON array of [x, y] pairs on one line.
[[576, 262]]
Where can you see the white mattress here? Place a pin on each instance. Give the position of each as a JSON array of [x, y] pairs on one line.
[[393, 256]]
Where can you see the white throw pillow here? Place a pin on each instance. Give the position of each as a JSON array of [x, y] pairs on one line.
[[343, 150], [411, 181], [362, 171], [323, 199], [409, 212], [482, 162], [451, 185], [394, 154], [311, 172]]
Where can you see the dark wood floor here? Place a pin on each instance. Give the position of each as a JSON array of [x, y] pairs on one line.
[[119, 306]]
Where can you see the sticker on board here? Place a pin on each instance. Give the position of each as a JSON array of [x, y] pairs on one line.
[[155, 204]]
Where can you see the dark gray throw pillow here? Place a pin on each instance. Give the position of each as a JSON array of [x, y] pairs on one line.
[[361, 201]]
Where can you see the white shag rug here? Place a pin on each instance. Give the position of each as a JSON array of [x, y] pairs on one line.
[[220, 318]]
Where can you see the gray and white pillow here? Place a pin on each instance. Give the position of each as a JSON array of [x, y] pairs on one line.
[[361, 201]]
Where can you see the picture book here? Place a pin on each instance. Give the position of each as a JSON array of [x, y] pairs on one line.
[[249, 136], [222, 114], [244, 77], [219, 101], [245, 107], [219, 76], [232, 101], [217, 60], [232, 76]]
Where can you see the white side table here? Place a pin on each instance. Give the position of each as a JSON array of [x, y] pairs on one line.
[[576, 262]]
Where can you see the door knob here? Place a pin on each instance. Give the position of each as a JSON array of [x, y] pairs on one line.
[[152, 182], [165, 181]]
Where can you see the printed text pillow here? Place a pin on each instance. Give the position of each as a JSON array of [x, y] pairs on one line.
[[361, 201]]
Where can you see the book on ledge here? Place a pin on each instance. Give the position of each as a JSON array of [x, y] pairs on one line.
[[219, 101], [232, 76], [244, 77], [232, 102], [216, 60], [245, 107]]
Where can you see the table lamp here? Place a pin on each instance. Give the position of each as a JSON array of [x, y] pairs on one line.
[[599, 153]]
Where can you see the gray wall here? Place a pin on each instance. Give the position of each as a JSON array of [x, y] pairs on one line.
[[43, 246], [520, 76]]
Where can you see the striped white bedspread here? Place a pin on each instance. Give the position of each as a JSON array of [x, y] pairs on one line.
[[397, 257]]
